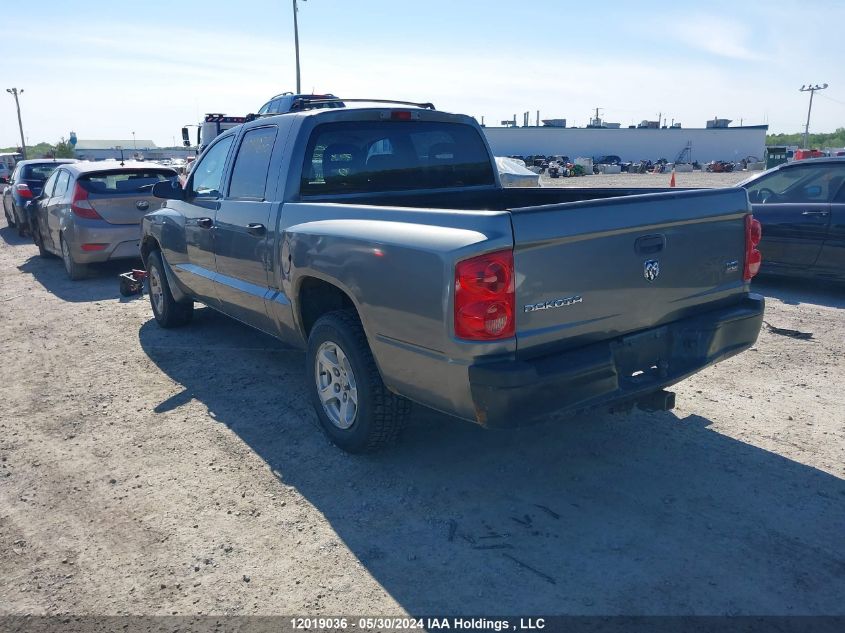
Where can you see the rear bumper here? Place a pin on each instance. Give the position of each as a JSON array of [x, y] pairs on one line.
[[509, 393], [121, 241]]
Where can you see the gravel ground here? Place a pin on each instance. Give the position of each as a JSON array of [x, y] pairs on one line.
[[148, 471]]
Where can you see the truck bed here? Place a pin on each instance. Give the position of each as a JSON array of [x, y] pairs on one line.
[[493, 199]]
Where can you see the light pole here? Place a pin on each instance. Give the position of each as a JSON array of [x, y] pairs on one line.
[[811, 89], [296, 44], [15, 92]]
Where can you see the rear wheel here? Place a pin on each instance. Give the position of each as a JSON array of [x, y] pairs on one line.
[[167, 311], [20, 220], [354, 407], [10, 218], [74, 269]]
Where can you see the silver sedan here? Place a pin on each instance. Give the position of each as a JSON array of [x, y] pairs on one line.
[[90, 212]]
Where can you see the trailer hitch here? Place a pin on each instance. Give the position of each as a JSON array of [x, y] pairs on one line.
[[657, 401]]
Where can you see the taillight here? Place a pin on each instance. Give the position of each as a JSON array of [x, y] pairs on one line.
[[23, 190], [484, 297], [401, 115], [80, 205], [753, 235]]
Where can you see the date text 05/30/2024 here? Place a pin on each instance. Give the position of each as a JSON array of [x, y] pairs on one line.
[[426, 623]]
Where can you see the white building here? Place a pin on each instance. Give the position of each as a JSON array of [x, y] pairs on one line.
[[630, 144], [132, 148]]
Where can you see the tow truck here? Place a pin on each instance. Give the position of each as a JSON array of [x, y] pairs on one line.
[[210, 128]]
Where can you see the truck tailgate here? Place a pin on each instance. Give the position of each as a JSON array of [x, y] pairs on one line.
[[589, 271]]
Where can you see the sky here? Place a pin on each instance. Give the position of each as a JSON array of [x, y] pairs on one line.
[[105, 69]]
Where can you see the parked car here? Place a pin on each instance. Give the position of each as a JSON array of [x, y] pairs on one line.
[[25, 184], [381, 240], [288, 101], [90, 212], [607, 160], [8, 160], [801, 206]]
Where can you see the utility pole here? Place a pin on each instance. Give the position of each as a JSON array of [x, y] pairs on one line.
[[15, 92], [296, 43], [811, 89]]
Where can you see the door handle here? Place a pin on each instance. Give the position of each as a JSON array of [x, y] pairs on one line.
[[205, 223], [822, 213], [256, 229]]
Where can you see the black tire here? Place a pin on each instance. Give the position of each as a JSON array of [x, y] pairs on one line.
[[167, 311], [39, 242], [75, 271], [380, 415], [10, 219]]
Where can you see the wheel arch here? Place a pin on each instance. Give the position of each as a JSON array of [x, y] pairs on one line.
[[148, 245], [315, 297]]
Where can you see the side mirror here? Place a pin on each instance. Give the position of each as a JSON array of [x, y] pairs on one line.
[[168, 190], [186, 138]]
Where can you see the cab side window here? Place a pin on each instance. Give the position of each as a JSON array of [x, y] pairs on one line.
[[207, 176], [839, 197], [249, 175], [804, 183]]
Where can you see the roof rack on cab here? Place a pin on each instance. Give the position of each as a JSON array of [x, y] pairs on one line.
[[304, 103]]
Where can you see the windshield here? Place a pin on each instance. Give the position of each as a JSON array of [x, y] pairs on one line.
[[363, 157]]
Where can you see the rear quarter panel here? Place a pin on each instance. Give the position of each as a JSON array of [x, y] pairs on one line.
[[397, 266]]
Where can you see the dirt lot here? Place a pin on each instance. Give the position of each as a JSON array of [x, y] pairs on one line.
[[153, 472]]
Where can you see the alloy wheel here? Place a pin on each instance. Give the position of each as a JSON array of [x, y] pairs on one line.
[[336, 385]]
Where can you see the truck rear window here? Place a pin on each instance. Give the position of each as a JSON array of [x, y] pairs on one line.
[[112, 182], [371, 156]]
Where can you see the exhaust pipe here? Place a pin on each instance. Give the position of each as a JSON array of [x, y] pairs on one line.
[[657, 401]]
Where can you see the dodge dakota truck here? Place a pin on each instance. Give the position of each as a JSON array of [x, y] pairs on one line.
[[380, 240]]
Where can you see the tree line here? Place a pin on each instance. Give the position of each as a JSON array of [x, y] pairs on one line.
[[827, 139]]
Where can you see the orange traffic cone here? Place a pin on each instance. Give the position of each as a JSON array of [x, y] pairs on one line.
[[672, 180]]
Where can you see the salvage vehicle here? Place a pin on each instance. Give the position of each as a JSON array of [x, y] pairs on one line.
[[801, 206], [90, 212], [25, 184], [288, 101], [8, 160], [209, 128], [381, 240]]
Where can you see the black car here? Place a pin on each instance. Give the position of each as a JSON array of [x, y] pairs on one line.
[[26, 183], [801, 206]]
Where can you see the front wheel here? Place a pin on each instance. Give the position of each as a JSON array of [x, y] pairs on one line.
[[167, 311], [355, 409], [39, 240]]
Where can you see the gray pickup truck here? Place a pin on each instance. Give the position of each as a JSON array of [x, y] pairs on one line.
[[380, 239]]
